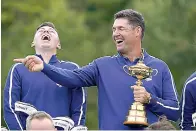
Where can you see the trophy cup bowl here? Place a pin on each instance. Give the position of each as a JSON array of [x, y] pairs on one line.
[[137, 114]]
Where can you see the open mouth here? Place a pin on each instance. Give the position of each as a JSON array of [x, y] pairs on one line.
[[119, 41], [46, 37]]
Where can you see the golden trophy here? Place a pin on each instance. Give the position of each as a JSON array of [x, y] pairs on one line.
[[137, 114]]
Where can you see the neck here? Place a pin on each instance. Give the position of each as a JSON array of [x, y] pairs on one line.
[[134, 52], [46, 56]]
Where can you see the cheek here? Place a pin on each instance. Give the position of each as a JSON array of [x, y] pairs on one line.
[[37, 41], [37, 38], [55, 41], [113, 35], [55, 38], [129, 37], [113, 38]]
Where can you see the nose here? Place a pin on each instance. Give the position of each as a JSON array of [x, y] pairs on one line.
[[46, 31]]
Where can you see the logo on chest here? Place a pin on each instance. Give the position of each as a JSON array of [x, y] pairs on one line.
[[58, 85]]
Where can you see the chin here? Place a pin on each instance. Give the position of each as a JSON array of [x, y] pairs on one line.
[[46, 46], [119, 49]]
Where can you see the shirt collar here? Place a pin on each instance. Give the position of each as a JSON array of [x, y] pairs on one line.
[[124, 59], [53, 59]]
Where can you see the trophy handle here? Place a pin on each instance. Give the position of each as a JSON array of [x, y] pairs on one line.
[[126, 71]]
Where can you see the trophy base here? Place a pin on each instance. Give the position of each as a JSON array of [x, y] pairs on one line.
[[135, 124], [136, 121]]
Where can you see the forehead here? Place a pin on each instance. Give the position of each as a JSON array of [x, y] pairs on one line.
[[46, 28], [121, 22], [38, 124], [43, 121]]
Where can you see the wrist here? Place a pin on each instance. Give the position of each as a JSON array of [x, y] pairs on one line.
[[42, 66]]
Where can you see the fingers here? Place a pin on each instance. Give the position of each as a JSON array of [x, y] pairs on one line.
[[31, 57], [23, 60], [138, 89], [30, 67], [32, 62], [20, 60], [135, 87], [28, 62], [139, 93], [138, 100]]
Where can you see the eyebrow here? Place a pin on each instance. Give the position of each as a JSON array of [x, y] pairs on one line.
[[118, 27], [50, 28]]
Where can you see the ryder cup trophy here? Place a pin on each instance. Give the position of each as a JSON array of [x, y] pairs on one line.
[[136, 114]]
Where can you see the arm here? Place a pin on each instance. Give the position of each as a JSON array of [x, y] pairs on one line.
[[78, 106], [12, 91], [83, 77], [167, 105], [78, 103], [187, 106]]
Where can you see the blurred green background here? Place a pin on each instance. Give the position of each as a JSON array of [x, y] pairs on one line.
[[85, 29]]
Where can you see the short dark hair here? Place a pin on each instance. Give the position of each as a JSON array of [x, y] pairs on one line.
[[162, 124], [134, 18], [50, 24]]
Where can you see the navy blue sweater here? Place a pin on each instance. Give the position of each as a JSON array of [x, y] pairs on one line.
[[40, 91], [114, 93], [188, 102]]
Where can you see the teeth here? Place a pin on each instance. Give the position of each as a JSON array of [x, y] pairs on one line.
[[119, 41]]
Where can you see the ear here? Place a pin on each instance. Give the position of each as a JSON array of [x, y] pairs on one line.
[[33, 44], [59, 45], [138, 31]]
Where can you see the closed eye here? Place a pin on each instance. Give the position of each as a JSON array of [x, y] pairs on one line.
[[122, 28], [41, 31], [52, 31]]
